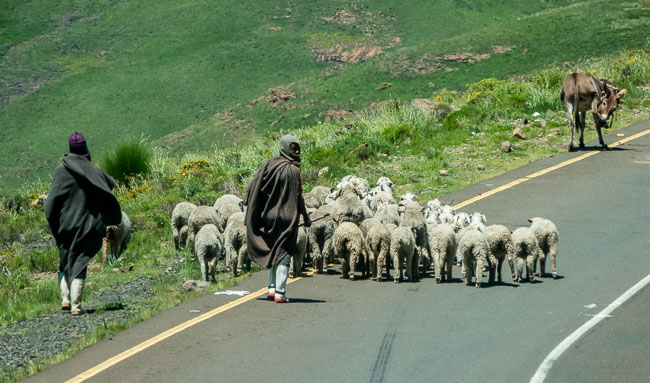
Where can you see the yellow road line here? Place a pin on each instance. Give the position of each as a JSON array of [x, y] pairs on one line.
[[544, 171], [172, 331], [175, 330]]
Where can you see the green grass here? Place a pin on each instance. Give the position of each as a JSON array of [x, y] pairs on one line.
[[184, 74]]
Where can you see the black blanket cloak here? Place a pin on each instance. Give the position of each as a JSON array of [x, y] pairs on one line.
[[79, 206], [274, 199]]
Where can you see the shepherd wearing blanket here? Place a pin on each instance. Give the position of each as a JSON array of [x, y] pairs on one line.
[[79, 207], [275, 203]]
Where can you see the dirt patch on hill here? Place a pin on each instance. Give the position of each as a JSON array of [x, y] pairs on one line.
[[425, 64], [362, 35], [275, 97]]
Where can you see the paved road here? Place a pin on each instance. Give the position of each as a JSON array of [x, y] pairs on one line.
[[363, 331]]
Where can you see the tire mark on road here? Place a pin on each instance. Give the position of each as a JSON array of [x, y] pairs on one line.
[[381, 363]]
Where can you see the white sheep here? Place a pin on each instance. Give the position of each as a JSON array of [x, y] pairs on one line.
[[442, 242], [473, 248], [235, 244], [227, 199], [224, 212], [378, 242], [525, 244], [316, 197], [180, 217], [350, 248], [388, 214], [201, 216], [299, 251], [402, 252], [414, 219], [348, 206], [360, 183], [381, 197], [209, 243], [367, 224], [547, 240], [500, 247], [321, 233], [117, 238]]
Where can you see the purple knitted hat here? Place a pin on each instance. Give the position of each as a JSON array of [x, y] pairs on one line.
[[78, 145]]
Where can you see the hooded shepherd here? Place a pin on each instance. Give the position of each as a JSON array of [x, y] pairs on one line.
[[79, 206], [275, 203]]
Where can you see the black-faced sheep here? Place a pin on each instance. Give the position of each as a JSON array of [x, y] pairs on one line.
[[500, 247], [547, 239], [117, 238], [378, 242], [526, 248], [402, 253], [209, 243], [473, 248], [180, 217], [203, 215], [442, 242], [350, 248]]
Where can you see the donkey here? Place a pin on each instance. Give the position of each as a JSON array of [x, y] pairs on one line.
[[581, 93]]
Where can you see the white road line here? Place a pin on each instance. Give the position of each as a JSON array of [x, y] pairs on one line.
[[546, 365]]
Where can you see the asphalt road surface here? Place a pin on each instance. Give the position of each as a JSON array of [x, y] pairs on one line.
[[337, 330]]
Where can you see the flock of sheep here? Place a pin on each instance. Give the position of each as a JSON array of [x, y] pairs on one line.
[[368, 231]]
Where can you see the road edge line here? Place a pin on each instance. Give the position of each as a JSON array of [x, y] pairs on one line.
[[168, 333], [547, 363]]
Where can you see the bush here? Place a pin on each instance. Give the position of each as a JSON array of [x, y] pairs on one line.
[[398, 134], [129, 159]]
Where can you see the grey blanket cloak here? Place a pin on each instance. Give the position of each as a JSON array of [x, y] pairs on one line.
[[79, 206], [274, 199]]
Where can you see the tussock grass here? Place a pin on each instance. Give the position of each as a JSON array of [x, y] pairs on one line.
[[128, 160]]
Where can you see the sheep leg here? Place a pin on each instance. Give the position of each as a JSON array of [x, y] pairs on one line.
[[512, 267], [520, 268], [450, 263], [437, 267], [542, 262], [204, 269], [344, 267], [492, 264], [479, 270], [397, 270], [553, 254], [499, 265], [213, 268], [352, 264], [530, 267]]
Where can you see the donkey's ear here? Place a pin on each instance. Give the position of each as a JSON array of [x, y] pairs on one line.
[[622, 93]]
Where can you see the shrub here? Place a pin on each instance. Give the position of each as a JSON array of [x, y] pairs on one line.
[[399, 133], [128, 159]]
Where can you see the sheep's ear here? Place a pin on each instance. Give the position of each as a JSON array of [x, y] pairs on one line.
[[530, 220]]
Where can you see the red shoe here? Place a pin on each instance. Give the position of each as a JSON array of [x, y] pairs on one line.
[[270, 296], [65, 307], [281, 299]]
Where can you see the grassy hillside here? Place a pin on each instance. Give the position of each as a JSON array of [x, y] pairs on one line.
[[192, 74]]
